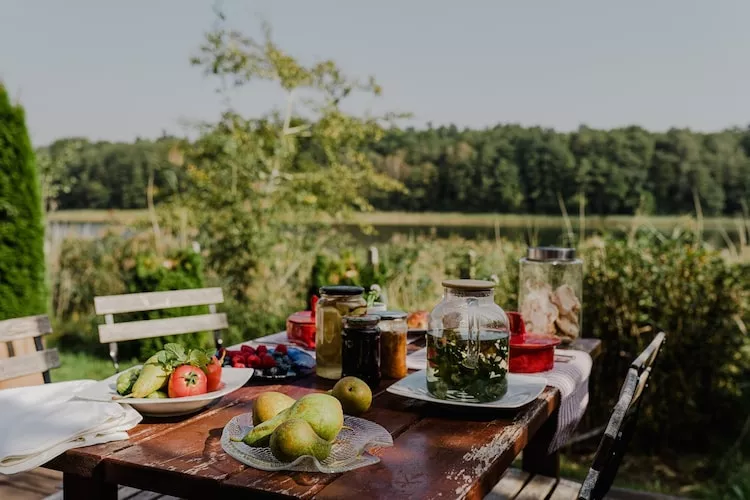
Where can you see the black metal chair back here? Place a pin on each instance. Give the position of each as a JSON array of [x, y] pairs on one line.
[[621, 425]]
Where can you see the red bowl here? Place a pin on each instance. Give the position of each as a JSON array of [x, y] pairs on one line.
[[531, 353], [300, 329]]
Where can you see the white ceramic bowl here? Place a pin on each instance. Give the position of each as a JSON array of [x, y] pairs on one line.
[[231, 378]]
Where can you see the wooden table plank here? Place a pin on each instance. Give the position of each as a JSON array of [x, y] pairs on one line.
[[85, 461], [186, 458], [444, 457], [394, 413]]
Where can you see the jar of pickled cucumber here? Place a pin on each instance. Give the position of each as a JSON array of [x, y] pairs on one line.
[[335, 303]]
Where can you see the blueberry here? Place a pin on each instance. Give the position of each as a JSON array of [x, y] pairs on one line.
[[272, 371]]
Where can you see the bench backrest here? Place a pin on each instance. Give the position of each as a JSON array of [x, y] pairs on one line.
[[621, 425], [25, 360], [112, 332]]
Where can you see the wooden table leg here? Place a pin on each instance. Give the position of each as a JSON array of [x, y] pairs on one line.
[[536, 459], [78, 487]]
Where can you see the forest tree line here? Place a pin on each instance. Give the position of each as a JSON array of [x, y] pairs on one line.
[[504, 169]]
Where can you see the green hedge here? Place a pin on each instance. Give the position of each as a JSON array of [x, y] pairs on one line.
[[22, 277], [116, 265], [632, 290], [699, 387]]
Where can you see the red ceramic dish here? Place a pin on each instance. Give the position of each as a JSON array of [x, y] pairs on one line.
[[532, 353], [529, 352], [300, 327]]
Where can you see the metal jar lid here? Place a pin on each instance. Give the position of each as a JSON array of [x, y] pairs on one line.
[[474, 285], [366, 321], [391, 315], [543, 254], [341, 290]]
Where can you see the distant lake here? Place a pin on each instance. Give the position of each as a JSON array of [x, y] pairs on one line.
[[540, 236], [539, 230]]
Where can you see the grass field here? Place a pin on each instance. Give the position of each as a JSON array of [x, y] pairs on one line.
[[447, 219]]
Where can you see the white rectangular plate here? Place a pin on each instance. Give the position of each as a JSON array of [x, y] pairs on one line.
[[231, 378], [522, 389]]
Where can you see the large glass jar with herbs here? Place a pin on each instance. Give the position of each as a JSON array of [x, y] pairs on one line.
[[334, 304], [467, 344], [550, 292]]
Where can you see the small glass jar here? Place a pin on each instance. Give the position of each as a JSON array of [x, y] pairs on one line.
[[393, 343], [334, 304], [360, 352], [551, 292]]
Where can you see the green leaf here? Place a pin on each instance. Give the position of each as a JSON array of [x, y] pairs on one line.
[[175, 350], [199, 358]]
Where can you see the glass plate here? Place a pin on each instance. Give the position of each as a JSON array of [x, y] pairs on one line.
[[522, 389], [350, 450]]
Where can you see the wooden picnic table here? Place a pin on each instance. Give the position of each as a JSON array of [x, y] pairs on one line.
[[438, 452]]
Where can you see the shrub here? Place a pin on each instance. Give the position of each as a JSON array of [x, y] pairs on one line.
[[634, 289], [22, 279], [116, 265]]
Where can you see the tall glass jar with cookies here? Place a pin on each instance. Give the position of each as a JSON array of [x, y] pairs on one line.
[[551, 292]]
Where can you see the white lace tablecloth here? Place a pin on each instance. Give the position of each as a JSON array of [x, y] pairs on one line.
[[570, 375]]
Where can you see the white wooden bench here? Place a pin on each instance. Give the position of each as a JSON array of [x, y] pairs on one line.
[[112, 332]]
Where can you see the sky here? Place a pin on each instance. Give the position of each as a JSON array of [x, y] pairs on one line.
[[119, 70]]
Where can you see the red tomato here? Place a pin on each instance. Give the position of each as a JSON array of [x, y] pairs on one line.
[[187, 380], [213, 374]]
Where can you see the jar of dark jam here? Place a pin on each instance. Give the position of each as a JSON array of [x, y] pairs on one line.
[[360, 353]]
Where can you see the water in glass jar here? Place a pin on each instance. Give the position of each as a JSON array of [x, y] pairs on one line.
[[461, 370]]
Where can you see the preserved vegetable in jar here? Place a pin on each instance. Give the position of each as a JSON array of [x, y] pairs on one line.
[[467, 344], [393, 330], [360, 352], [334, 304]]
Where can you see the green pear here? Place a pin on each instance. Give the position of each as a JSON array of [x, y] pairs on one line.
[[126, 380], [268, 405], [295, 438], [321, 411], [354, 395], [153, 376], [158, 395]]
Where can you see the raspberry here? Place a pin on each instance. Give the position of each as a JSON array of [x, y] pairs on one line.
[[281, 349], [246, 349], [253, 361], [238, 365], [261, 350], [267, 361]]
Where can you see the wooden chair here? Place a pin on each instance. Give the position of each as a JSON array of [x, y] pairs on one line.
[[23, 359], [111, 333], [516, 484], [25, 362]]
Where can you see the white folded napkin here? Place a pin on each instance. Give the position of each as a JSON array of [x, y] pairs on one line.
[[41, 422]]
